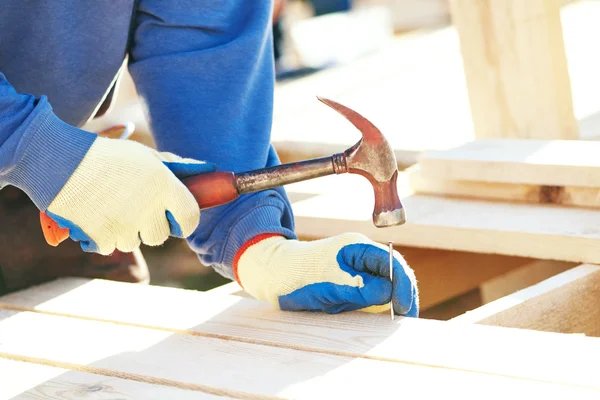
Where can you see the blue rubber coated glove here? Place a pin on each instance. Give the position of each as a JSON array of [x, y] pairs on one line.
[[342, 273]]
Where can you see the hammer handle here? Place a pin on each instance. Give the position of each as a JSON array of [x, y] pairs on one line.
[[217, 188], [213, 189]]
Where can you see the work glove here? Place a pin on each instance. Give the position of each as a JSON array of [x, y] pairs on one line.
[[120, 194], [342, 273]]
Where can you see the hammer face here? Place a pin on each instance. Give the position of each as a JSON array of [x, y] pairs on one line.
[[389, 218], [388, 210]]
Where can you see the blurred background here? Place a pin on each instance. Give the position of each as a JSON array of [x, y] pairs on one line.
[[397, 61]]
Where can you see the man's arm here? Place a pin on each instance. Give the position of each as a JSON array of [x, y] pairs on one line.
[[31, 138], [204, 70]]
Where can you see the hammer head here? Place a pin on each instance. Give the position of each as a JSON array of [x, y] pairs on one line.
[[373, 157]]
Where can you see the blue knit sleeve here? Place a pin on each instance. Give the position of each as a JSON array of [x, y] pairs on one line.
[[204, 70], [38, 151]]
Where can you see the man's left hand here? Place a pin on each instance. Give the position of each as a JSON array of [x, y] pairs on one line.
[[342, 273]]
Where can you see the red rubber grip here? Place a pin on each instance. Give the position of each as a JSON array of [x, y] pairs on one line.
[[213, 189], [53, 234]]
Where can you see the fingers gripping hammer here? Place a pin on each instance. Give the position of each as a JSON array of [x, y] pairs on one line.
[[372, 157]]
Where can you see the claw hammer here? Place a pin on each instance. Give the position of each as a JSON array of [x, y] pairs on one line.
[[372, 157]]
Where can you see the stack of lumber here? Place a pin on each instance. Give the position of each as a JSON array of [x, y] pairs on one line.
[[79, 338]]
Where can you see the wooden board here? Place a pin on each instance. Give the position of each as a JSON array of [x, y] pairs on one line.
[[573, 163], [567, 303], [571, 196], [536, 231], [302, 354], [262, 372], [516, 68], [24, 380], [521, 278]]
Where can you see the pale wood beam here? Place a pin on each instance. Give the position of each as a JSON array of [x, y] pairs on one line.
[[516, 68]]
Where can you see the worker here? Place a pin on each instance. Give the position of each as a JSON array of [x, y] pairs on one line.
[[204, 72]]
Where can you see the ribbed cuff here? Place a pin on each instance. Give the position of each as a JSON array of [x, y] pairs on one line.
[[46, 156], [265, 218]]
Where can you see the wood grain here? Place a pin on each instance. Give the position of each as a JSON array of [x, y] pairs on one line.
[[520, 278], [29, 381], [572, 163], [238, 369], [516, 68], [570, 196], [216, 332], [565, 303]]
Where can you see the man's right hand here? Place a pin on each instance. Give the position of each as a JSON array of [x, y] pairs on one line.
[[123, 194]]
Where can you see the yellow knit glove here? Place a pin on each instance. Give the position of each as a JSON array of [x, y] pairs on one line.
[[123, 194], [341, 273]]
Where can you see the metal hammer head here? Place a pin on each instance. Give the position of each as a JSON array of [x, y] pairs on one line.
[[373, 157]]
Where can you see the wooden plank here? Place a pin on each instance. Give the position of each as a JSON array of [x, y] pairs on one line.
[[536, 231], [565, 303], [522, 277], [23, 380], [445, 274], [516, 68], [241, 370], [253, 333], [571, 196], [572, 163]]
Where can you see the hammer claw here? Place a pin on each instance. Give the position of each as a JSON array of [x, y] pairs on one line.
[[368, 130], [373, 158]]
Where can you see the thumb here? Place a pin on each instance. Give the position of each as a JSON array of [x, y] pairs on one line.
[[184, 167], [374, 261]]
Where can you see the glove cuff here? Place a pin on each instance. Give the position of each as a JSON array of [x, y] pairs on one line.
[[45, 156], [245, 247]]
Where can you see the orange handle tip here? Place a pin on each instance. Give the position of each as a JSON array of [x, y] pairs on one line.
[[53, 233]]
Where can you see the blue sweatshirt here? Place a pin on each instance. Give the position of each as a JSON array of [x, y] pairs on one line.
[[204, 70]]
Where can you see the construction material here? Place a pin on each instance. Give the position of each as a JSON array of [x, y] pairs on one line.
[[516, 68], [38, 381], [562, 172], [136, 335], [572, 163], [522, 277], [572, 196], [565, 303]]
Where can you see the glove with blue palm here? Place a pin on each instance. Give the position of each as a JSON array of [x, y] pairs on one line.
[[342, 273]]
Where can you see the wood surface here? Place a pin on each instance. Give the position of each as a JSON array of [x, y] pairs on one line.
[[516, 68], [565, 303], [570, 196], [29, 381], [494, 227], [520, 278], [573, 163], [244, 348]]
